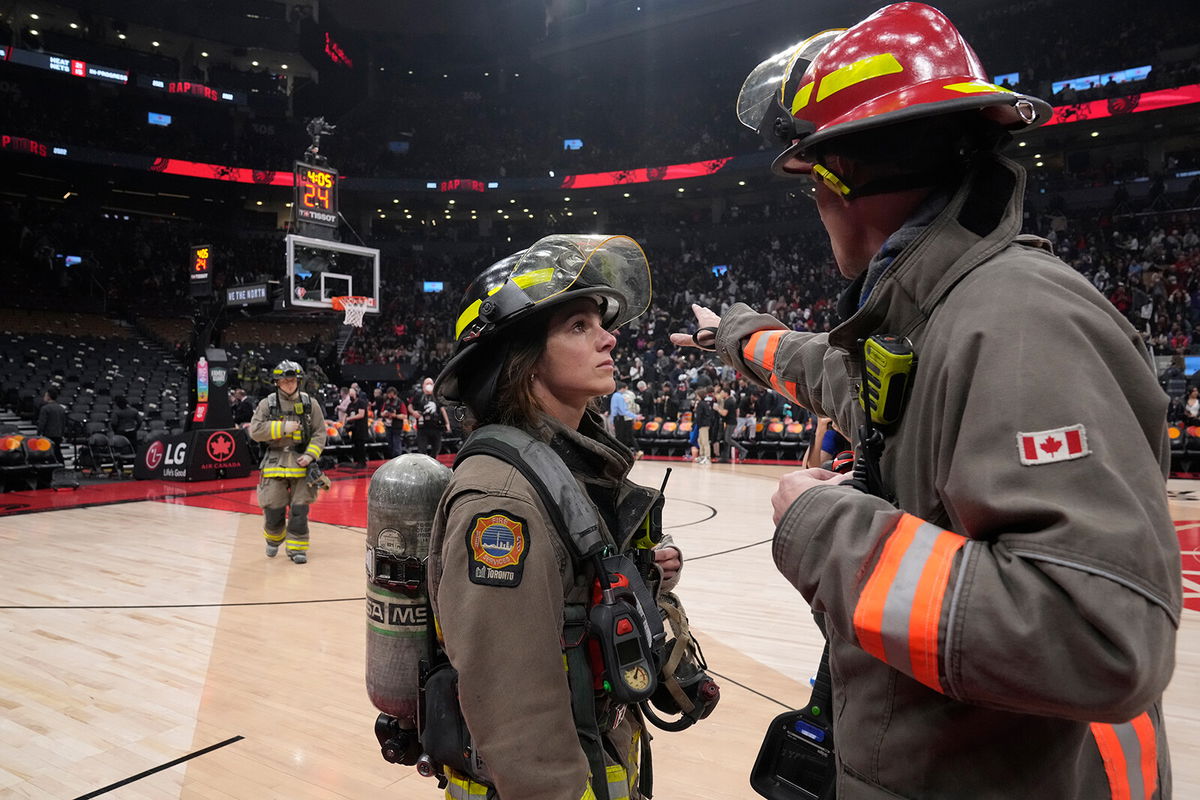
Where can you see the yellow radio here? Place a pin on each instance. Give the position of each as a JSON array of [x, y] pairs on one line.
[[888, 364]]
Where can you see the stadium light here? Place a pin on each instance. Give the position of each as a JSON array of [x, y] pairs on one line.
[[121, 36], [1095, 134], [34, 16], [254, 63], [74, 26], [627, 194], [741, 183], [1022, 144], [204, 54], [283, 66], [154, 44], [32, 32]]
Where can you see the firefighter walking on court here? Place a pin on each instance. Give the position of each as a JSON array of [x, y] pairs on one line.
[[292, 426]]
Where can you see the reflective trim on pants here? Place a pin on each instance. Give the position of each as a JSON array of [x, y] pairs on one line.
[[1130, 755], [273, 538], [462, 788], [618, 783]]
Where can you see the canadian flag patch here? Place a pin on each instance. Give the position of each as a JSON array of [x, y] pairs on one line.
[[1059, 444]]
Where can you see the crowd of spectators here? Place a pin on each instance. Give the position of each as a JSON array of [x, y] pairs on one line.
[[679, 110]]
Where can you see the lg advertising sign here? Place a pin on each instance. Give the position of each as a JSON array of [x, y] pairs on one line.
[[199, 455]]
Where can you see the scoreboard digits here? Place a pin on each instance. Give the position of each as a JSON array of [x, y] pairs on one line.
[[316, 195], [200, 270]]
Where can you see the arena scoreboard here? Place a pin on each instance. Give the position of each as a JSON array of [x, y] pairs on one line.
[[316, 195], [200, 270]]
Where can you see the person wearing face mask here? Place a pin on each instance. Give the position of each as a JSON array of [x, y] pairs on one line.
[[432, 420]]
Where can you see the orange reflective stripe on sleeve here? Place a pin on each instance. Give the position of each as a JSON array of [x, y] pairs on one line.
[[1130, 755], [899, 611], [761, 348], [785, 388]]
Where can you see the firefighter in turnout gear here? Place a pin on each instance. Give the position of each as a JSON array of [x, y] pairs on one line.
[[998, 582], [292, 426], [509, 593]]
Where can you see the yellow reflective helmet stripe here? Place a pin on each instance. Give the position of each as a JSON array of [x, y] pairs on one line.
[[802, 95], [524, 280], [973, 87], [862, 70]]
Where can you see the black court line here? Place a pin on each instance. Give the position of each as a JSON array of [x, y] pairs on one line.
[[730, 550], [712, 512], [751, 691], [159, 768], [186, 605]]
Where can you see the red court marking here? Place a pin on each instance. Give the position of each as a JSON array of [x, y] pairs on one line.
[[100, 494], [345, 503], [1189, 546]]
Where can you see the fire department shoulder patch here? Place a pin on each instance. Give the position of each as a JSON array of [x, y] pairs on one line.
[[496, 549]]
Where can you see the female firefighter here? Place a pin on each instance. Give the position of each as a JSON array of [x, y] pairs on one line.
[[534, 348]]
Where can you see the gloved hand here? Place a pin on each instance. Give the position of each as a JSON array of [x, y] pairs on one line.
[[316, 478]]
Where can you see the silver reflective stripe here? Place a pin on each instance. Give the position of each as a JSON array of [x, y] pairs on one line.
[[760, 351], [618, 783], [1132, 748], [902, 595]]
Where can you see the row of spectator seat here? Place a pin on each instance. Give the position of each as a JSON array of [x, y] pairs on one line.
[[773, 438]]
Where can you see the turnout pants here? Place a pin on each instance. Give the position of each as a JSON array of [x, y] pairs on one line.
[[276, 496]]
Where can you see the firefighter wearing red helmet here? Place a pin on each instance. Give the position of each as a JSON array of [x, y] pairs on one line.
[[999, 579]]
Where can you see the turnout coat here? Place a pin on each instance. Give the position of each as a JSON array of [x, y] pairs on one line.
[[1007, 628]]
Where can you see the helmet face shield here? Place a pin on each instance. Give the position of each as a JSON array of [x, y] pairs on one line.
[[766, 95], [614, 266], [612, 270]]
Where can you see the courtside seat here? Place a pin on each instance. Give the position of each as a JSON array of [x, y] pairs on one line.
[[14, 463], [647, 436], [95, 458], [795, 439], [39, 453], [123, 454], [772, 439]]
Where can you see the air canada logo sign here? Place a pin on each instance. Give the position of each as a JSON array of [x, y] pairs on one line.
[[220, 446], [498, 547]]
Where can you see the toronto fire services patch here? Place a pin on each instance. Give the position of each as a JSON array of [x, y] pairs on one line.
[[1059, 444], [497, 548]]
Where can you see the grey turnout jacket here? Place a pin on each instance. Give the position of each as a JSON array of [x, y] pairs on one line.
[[1007, 629]]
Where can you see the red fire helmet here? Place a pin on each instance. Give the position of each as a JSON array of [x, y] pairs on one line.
[[903, 62]]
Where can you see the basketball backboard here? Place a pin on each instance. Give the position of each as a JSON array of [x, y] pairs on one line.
[[319, 270]]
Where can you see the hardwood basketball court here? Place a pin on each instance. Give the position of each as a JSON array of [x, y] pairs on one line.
[[151, 650]]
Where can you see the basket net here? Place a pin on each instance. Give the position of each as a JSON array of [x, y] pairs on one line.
[[354, 306]]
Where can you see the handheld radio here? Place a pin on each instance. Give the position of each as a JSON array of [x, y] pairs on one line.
[[888, 362]]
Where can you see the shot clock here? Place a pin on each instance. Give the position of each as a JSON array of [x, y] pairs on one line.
[[316, 195], [200, 270]]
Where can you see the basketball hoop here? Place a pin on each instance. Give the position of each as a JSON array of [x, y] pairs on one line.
[[354, 306]]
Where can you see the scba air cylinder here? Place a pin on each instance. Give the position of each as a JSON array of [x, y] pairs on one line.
[[401, 503]]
